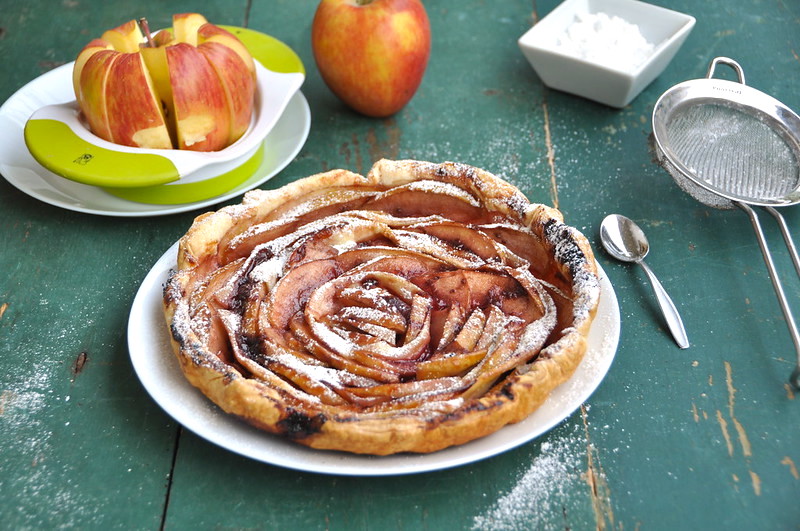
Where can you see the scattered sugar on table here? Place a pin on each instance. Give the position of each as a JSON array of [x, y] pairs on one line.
[[543, 489]]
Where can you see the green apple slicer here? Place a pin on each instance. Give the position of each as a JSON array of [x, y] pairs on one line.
[[59, 140]]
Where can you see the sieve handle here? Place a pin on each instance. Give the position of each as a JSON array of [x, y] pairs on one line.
[[776, 283], [726, 61], [787, 237]]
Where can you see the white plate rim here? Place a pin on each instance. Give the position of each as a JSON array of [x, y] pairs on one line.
[[157, 369], [281, 145]]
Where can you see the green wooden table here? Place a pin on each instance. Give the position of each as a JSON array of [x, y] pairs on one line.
[[704, 438]]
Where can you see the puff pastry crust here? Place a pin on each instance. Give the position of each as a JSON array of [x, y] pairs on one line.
[[422, 306]]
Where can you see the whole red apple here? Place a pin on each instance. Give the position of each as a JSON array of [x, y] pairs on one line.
[[372, 53], [191, 88]]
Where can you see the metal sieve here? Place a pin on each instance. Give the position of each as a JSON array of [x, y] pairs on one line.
[[729, 145]]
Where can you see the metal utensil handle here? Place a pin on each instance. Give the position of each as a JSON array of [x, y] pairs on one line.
[[726, 61], [668, 308], [787, 237], [776, 283]]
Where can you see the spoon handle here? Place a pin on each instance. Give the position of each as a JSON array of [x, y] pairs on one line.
[[668, 308]]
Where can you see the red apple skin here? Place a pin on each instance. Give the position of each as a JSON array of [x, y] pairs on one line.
[[138, 119], [212, 33], [372, 55], [93, 96], [238, 83], [94, 46], [201, 111], [124, 38]]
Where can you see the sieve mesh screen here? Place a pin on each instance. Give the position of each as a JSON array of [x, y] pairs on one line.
[[733, 151]]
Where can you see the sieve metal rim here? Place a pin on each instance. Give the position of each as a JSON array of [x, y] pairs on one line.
[[736, 95]]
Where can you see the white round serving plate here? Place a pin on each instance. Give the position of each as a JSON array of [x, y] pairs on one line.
[[18, 167], [158, 370]]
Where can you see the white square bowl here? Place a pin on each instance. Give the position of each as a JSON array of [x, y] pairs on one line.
[[611, 85]]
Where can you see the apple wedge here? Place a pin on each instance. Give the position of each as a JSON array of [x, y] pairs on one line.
[[125, 38], [186, 26], [92, 98], [238, 84], [138, 117], [208, 33], [197, 108], [96, 45]]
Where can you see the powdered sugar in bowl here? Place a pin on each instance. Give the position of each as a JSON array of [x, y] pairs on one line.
[[604, 50]]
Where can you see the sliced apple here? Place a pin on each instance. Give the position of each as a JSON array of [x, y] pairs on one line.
[[186, 26], [238, 84], [93, 80], [202, 120], [138, 117], [94, 46], [211, 33], [125, 38], [156, 61]]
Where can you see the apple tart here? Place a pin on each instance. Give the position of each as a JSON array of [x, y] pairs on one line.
[[422, 306]]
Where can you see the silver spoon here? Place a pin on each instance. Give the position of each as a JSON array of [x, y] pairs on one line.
[[624, 240]]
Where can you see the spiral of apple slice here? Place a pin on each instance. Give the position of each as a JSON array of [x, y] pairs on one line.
[[190, 88], [389, 311]]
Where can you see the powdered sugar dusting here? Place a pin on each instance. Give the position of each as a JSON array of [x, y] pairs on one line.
[[441, 188], [606, 39], [431, 246], [319, 373], [541, 491], [331, 339], [269, 271], [372, 315], [32, 468], [536, 333], [442, 406]]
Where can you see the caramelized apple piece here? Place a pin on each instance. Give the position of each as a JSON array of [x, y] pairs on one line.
[[452, 365]]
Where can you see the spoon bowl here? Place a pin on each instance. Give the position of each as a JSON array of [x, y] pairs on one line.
[[623, 239]]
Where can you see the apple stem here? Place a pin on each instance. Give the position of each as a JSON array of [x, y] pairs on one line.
[[146, 30]]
